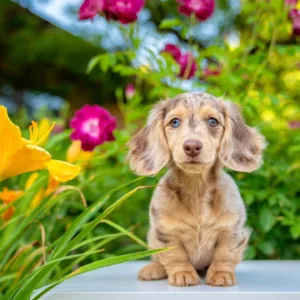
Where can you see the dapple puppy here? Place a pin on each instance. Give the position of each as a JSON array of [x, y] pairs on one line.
[[196, 207]]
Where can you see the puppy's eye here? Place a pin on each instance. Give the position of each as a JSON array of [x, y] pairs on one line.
[[212, 122], [175, 122]]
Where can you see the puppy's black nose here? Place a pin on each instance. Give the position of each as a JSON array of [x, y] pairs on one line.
[[192, 147]]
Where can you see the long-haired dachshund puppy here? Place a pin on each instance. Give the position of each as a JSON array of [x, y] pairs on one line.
[[196, 207]]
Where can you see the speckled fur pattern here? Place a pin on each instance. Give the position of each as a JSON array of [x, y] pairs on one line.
[[196, 206]]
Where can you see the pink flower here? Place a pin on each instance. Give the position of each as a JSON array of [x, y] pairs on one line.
[[173, 50], [291, 2], [296, 27], [124, 11], [209, 71], [203, 9], [187, 61], [90, 8], [93, 125], [58, 128], [129, 90], [295, 17], [294, 13], [294, 124]]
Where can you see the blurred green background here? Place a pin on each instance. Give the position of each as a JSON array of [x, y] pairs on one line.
[[51, 64]]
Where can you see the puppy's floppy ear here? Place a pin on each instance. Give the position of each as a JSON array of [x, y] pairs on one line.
[[241, 146], [148, 149]]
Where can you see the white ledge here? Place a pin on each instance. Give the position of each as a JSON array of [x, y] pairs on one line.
[[257, 280]]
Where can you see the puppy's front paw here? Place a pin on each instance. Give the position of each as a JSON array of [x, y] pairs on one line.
[[184, 278], [222, 278], [153, 271]]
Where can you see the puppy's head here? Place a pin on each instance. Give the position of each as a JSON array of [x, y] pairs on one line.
[[195, 130]]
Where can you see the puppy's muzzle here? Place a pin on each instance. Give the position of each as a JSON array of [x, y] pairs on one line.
[[192, 148]]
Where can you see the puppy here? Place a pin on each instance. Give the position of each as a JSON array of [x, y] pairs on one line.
[[196, 207]]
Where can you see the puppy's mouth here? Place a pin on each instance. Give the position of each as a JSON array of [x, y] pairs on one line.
[[192, 162]]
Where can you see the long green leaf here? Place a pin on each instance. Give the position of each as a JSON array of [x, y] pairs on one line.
[[97, 246], [34, 281], [81, 219], [25, 293], [68, 247], [100, 264], [100, 237], [125, 231]]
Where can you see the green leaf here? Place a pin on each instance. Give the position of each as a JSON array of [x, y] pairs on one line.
[[65, 247], [126, 232], [266, 219], [101, 264], [92, 63], [250, 252], [97, 238], [81, 219], [295, 230], [267, 247], [169, 23]]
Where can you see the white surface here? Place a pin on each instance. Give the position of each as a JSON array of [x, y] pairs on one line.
[[256, 280]]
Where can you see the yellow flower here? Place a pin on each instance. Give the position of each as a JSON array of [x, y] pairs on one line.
[[62, 171], [291, 80], [37, 199], [18, 155], [7, 215], [52, 186], [31, 180], [9, 196], [75, 153], [44, 130]]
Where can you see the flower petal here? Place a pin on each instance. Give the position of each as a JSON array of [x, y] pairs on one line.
[[28, 158], [74, 151], [31, 180], [62, 171], [8, 196], [10, 140], [7, 215]]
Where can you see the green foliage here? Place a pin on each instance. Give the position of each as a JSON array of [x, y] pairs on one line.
[[261, 74]]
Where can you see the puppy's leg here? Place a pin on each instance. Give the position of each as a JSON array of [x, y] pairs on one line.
[[228, 254], [153, 271], [178, 266]]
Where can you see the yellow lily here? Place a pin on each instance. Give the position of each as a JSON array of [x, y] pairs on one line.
[[42, 193], [75, 153], [9, 196], [18, 155], [44, 130]]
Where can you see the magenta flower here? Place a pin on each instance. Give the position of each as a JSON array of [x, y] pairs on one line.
[[124, 11], [188, 66], [90, 8], [203, 9], [93, 125], [210, 72], [130, 90], [296, 26], [173, 50], [58, 128], [295, 17], [294, 13], [294, 124], [185, 61], [291, 2]]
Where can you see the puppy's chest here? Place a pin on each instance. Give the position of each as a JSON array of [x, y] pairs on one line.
[[199, 210], [204, 215]]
